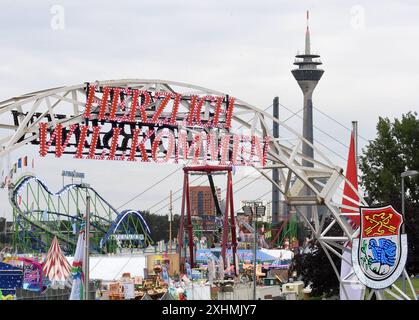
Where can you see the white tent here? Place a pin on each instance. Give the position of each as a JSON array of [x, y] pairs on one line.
[[111, 268], [282, 254]]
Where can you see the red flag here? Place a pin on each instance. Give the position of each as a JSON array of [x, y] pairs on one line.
[[350, 291], [352, 176]]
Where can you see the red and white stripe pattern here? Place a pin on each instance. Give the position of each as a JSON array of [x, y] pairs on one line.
[[348, 290], [56, 266]]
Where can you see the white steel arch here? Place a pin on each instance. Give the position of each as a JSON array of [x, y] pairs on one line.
[[324, 179]]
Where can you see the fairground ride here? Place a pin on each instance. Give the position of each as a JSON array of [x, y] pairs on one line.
[[288, 229], [229, 229], [40, 214], [20, 118]]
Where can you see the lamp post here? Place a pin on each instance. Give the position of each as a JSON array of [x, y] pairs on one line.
[[86, 250], [86, 244], [409, 173], [170, 221], [254, 209]]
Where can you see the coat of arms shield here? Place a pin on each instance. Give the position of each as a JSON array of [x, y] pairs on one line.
[[379, 254]]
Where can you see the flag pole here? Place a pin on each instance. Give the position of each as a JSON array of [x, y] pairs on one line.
[[86, 249], [170, 222], [355, 131]]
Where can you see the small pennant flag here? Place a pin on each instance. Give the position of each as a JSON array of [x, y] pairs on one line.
[[19, 163], [25, 161]]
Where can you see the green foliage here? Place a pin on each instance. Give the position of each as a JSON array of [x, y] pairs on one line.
[[364, 261], [159, 225], [302, 232], [314, 267], [5, 239], [393, 151]]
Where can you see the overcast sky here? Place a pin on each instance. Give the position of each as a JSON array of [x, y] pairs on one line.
[[369, 51]]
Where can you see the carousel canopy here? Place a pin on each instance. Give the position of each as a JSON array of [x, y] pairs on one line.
[[56, 266]]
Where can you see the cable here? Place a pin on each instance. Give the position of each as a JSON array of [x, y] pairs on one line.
[[322, 131], [266, 193], [238, 181], [150, 187], [339, 123], [316, 140], [180, 189], [161, 208], [330, 149]]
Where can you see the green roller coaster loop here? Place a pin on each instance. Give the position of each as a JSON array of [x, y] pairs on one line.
[[39, 215]]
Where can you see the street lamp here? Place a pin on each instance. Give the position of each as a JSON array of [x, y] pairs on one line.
[[254, 209], [86, 249], [409, 173]]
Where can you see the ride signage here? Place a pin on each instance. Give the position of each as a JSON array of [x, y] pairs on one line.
[[151, 127]]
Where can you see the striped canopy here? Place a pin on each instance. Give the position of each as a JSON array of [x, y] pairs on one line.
[[56, 266]]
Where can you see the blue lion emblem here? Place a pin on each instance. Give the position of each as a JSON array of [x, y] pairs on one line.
[[384, 252]]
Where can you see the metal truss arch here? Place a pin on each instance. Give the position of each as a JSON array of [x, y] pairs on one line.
[[324, 178]]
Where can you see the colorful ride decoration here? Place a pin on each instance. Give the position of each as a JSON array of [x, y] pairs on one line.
[[8, 297], [40, 215], [33, 277], [11, 277], [31, 274], [56, 267]]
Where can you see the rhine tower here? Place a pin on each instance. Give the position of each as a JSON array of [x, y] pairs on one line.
[[307, 76]]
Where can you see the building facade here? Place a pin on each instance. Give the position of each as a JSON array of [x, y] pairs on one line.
[[202, 201]]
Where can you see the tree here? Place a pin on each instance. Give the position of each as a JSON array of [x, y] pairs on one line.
[[393, 151], [159, 225], [314, 267]]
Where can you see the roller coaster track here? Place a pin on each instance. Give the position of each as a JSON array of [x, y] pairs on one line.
[[41, 211]]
